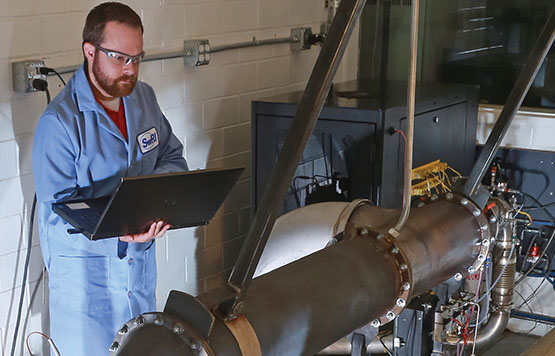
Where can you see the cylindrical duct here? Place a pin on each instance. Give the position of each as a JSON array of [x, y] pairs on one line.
[[439, 240], [503, 261], [502, 293], [302, 307]]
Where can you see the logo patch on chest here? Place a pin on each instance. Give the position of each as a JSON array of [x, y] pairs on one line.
[[148, 140]]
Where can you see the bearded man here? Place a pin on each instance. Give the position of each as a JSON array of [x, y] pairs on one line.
[[86, 140]]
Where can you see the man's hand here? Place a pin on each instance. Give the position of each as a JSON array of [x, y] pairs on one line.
[[157, 229]]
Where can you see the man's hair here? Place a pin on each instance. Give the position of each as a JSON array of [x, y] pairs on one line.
[[93, 31]]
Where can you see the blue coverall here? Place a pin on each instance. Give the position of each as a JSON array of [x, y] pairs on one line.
[[79, 152]]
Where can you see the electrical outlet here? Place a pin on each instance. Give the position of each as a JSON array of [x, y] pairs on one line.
[[197, 53], [301, 36], [24, 72]]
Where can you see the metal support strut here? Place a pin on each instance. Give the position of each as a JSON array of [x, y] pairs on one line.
[[515, 99], [303, 124]]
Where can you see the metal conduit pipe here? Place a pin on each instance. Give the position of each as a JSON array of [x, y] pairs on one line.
[[411, 92]]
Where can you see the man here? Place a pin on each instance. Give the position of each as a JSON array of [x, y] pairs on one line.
[[87, 138]]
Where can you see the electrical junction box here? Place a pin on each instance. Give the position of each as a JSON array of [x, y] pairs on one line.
[[24, 72], [197, 53]]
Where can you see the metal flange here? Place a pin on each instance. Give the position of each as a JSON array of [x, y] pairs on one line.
[[404, 273], [482, 246], [175, 334]]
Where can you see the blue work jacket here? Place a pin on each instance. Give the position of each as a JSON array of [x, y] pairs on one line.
[[79, 152]]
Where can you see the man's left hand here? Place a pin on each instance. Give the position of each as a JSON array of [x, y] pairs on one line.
[[157, 229]]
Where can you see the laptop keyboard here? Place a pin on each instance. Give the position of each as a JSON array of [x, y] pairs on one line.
[[90, 218]]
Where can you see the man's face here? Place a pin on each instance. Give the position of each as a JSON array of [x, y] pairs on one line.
[[111, 77]]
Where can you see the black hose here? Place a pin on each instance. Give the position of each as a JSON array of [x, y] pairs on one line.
[[25, 270]]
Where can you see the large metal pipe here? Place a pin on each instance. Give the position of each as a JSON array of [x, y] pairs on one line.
[[299, 309], [436, 251]]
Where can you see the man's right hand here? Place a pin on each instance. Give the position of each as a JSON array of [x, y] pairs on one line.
[[157, 229]]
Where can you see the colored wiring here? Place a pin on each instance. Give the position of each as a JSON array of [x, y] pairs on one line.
[[528, 216], [432, 178], [32, 333], [402, 134]]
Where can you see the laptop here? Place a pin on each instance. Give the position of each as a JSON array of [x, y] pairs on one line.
[[181, 199]]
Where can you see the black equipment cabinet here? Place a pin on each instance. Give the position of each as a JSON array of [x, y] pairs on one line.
[[354, 151]]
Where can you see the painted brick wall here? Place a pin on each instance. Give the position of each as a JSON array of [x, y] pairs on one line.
[[209, 109]]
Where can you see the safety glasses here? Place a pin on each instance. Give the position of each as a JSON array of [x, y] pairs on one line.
[[121, 58]]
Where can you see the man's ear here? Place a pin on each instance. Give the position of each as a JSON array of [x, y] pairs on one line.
[[89, 51]]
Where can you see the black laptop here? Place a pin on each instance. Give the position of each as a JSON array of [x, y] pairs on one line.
[[181, 199]]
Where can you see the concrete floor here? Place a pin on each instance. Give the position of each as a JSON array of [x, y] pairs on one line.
[[511, 344]]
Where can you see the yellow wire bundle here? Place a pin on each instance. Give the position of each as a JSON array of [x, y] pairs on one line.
[[433, 178]]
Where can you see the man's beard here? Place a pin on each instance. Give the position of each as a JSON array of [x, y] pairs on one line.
[[113, 87]]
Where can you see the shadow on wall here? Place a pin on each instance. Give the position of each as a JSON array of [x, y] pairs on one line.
[[207, 253], [220, 241]]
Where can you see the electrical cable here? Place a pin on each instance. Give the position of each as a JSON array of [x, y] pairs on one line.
[[540, 206], [47, 96], [50, 342], [400, 132], [486, 306], [25, 269], [531, 311], [41, 85], [535, 292], [384, 346], [528, 216], [48, 70], [544, 206], [538, 260]]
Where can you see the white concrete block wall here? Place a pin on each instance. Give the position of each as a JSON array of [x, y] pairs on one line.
[[531, 129], [209, 109]]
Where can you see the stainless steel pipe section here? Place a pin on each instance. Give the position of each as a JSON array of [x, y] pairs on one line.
[[303, 307], [438, 240], [502, 293]]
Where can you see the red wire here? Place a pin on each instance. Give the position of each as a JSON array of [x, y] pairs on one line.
[[461, 325], [488, 207], [27, 339], [465, 334], [456, 321], [402, 134]]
